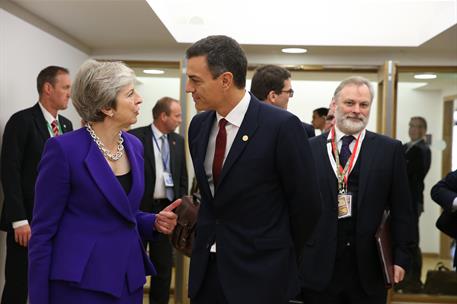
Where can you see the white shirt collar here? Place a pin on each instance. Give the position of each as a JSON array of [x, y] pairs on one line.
[[236, 115], [156, 132], [339, 134], [48, 116]]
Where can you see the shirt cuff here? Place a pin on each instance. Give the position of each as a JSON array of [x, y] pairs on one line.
[[20, 224], [454, 205]]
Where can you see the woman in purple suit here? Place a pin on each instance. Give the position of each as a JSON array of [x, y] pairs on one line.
[[86, 229]]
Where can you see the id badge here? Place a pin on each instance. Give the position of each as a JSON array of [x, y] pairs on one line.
[[344, 205], [168, 179]]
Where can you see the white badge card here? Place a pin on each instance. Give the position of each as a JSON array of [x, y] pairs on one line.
[[344, 205], [168, 179]]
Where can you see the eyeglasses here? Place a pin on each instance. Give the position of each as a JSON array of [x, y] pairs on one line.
[[290, 92]]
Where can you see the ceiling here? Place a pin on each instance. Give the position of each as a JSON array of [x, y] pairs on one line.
[[99, 26]]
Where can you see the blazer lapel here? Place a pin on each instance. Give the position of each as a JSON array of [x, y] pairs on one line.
[[149, 156], [332, 181], [367, 155], [136, 169], [40, 122], [172, 143], [63, 125], [245, 133], [107, 182], [200, 145]]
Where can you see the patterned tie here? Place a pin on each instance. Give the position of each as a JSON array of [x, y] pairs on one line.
[[345, 153], [55, 127], [166, 164], [219, 152]]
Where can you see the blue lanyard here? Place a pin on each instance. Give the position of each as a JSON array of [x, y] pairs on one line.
[[164, 161]]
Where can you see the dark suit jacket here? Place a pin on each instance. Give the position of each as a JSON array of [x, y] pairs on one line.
[[444, 193], [418, 159], [309, 129], [264, 208], [23, 142], [86, 229], [177, 165], [382, 184]]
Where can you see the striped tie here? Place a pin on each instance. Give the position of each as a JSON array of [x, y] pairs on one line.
[[55, 128]]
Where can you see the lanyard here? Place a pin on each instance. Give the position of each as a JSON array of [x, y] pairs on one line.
[[343, 173], [50, 129], [164, 161]]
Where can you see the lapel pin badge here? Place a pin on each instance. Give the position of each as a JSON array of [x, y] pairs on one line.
[[245, 138]]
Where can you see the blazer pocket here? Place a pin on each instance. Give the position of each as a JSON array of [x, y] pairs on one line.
[[69, 258], [270, 243]]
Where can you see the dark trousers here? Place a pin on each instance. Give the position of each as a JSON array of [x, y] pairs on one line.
[[15, 289], [211, 289], [345, 286], [161, 254]]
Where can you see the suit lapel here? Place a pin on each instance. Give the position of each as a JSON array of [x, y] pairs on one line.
[[107, 182], [40, 122], [332, 181], [200, 146], [248, 128], [135, 193], [64, 125], [173, 156], [367, 155], [149, 156]]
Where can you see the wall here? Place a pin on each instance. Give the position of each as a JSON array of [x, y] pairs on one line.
[[24, 51]]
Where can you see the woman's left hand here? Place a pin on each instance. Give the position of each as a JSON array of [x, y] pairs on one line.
[[166, 219]]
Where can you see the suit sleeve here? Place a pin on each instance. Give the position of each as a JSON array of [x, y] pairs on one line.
[[402, 222], [298, 176], [13, 148], [51, 194], [445, 191]]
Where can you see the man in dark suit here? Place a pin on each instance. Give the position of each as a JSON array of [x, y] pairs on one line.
[[445, 194], [361, 174], [160, 190], [256, 176], [272, 84], [23, 142], [418, 158]]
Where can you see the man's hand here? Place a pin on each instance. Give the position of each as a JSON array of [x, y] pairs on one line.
[[22, 235], [399, 274], [166, 219]]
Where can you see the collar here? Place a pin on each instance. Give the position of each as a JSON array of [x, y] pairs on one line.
[[49, 118], [412, 143], [236, 115], [156, 132], [339, 134]]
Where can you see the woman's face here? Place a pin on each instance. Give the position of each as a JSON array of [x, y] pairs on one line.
[[127, 106]]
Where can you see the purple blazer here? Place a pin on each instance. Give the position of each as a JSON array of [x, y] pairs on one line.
[[85, 229]]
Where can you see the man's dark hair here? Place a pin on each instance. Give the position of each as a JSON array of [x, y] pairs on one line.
[[321, 111], [421, 120], [49, 74], [268, 78], [223, 54], [162, 105]]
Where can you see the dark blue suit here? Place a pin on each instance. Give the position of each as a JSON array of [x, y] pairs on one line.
[[86, 245], [382, 183], [264, 208]]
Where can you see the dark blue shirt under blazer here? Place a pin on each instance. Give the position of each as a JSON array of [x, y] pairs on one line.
[[264, 208], [85, 228]]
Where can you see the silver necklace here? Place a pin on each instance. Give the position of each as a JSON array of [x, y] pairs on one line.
[[101, 146]]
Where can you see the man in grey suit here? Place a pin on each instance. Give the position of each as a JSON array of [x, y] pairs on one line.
[[23, 141], [165, 180]]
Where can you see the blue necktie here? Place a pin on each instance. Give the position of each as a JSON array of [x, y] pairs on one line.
[[166, 164], [345, 152]]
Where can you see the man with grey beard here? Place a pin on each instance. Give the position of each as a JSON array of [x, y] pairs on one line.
[[360, 175]]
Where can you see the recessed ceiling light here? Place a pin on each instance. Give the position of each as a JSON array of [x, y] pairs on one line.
[[153, 72], [294, 50], [425, 76]]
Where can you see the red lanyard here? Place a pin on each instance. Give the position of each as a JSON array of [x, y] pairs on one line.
[[343, 173]]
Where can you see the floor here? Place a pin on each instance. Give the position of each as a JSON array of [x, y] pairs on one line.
[[428, 263]]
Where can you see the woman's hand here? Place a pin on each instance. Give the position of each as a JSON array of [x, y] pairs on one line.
[[166, 219]]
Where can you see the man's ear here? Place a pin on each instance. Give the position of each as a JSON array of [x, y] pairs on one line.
[[271, 97], [227, 80], [47, 87]]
